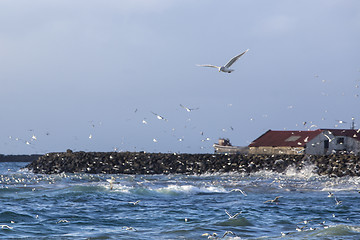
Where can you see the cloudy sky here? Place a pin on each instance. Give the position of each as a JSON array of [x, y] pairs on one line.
[[87, 75]]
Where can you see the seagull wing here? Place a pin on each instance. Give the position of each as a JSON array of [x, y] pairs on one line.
[[207, 65], [228, 232], [183, 106], [242, 192], [228, 214], [237, 214], [234, 59]]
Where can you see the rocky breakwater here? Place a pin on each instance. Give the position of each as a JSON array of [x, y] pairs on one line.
[[166, 163]]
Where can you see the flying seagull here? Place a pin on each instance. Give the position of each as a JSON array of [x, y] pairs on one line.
[[135, 203], [276, 200], [228, 232], [226, 67], [232, 216], [337, 202], [239, 190], [188, 109], [128, 228], [111, 181], [6, 227], [159, 117]]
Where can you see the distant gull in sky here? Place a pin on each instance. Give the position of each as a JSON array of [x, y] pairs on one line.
[[226, 67], [188, 109], [159, 117], [340, 121]]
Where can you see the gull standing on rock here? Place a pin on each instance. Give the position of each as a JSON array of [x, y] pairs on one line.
[[226, 67]]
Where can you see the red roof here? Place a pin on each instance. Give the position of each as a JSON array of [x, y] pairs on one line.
[[285, 138]]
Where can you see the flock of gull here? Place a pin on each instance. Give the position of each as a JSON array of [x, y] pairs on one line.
[[305, 225], [225, 68]]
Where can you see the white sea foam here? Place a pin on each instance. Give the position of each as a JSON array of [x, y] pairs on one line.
[[342, 184], [354, 228], [306, 172], [189, 189], [117, 187]]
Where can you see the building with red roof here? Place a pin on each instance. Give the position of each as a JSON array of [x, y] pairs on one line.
[[316, 142]]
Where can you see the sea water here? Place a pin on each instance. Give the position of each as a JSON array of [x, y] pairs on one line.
[[100, 206]]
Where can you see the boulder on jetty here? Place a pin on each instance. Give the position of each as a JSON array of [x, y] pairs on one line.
[[173, 163]]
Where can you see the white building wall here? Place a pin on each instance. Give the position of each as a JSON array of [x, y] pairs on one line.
[[315, 146], [353, 145]]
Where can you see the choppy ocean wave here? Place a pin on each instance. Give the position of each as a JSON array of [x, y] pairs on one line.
[[100, 206]]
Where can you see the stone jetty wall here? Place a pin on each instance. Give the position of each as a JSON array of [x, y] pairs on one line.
[[160, 163], [19, 158]]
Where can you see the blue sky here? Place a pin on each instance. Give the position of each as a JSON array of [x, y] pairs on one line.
[[85, 74]]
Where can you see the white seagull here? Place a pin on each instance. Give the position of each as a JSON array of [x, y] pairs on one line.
[[226, 67], [337, 202], [6, 227], [188, 109], [232, 216], [135, 203], [276, 200], [159, 117], [239, 190]]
